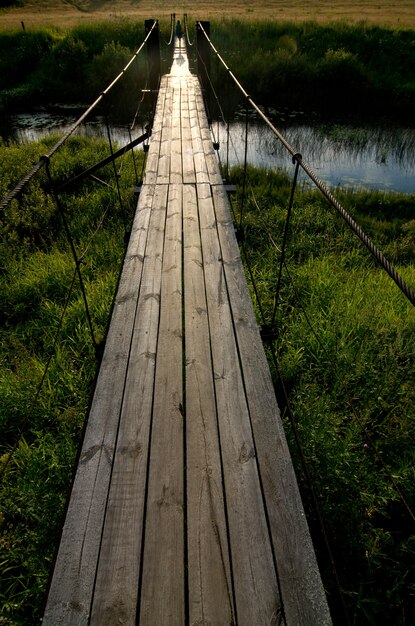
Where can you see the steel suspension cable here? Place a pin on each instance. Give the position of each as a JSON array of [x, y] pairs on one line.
[[189, 43], [245, 169], [284, 240], [172, 22], [45, 158], [373, 249], [116, 177], [77, 262]]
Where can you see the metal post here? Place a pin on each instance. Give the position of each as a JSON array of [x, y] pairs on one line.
[[153, 54]]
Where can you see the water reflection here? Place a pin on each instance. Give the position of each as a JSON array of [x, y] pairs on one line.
[[374, 158], [340, 154], [27, 127]]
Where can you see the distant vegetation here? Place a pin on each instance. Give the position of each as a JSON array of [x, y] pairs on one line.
[[48, 65], [11, 3], [353, 67]]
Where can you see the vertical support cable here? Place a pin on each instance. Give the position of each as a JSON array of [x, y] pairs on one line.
[[74, 254], [245, 167], [133, 157], [296, 160], [227, 150], [153, 55], [116, 176], [203, 51]]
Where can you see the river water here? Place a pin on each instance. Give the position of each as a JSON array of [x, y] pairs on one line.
[[341, 154]]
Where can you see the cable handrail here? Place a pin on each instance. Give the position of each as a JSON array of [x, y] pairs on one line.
[[46, 157], [189, 43], [297, 158], [172, 23]]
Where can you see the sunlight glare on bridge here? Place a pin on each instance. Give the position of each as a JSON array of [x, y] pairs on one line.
[[180, 65]]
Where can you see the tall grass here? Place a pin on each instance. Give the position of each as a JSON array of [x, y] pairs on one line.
[[52, 65], [301, 65], [43, 323], [354, 67], [344, 347]]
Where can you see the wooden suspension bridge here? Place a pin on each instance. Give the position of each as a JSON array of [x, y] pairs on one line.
[[185, 507]]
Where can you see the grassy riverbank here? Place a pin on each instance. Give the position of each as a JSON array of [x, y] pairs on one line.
[[353, 69], [345, 333], [44, 333], [308, 66], [345, 356]]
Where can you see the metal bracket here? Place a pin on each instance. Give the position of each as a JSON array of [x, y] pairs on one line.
[[105, 161], [230, 188]]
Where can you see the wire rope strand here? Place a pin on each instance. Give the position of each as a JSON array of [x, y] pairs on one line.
[[245, 167], [116, 176]]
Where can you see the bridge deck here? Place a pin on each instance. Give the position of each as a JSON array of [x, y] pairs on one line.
[[185, 507]]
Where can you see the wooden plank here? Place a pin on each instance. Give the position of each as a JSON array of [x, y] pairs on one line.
[[163, 580], [155, 139], [71, 588], [215, 176], [189, 176], [163, 172], [176, 170], [115, 596], [210, 584], [256, 588], [302, 591], [201, 170]]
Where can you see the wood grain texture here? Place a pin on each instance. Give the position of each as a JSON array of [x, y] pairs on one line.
[[300, 582], [71, 588], [163, 171], [120, 554], [176, 169], [163, 581], [210, 584], [256, 587], [212, 163], [189, 176], [153, 156], [201, 169]]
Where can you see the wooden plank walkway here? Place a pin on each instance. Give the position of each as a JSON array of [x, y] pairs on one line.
[[185, 508]]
